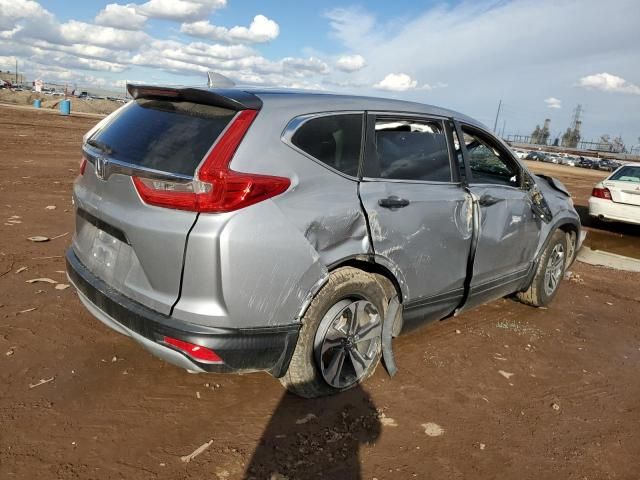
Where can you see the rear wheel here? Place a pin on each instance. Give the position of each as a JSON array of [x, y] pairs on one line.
[[339, 344], [549, 273]]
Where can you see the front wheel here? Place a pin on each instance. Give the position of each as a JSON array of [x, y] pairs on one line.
[[549, 273], [339, 345]]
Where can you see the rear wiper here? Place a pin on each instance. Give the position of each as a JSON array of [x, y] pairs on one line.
[[103, 147]]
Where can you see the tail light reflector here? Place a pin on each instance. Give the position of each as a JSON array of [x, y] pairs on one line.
[[83, 165], [216, 188], [603, 193], [196, 352]]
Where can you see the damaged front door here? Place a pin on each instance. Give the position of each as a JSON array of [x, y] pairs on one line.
[[420, 217], [508, 229]]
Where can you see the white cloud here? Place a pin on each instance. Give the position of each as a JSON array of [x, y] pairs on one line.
[[553, 102], [13, 10], [310, 64], [75, 32], [73, 51], [351, 63], [179, 10], [396, 82], [609, 83], [120, 16], [351, 24], [261, 29], [435, 41]]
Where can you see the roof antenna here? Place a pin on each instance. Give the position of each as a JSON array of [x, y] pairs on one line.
[[215, 79]]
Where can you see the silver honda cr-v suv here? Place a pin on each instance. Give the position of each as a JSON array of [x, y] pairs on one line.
[[235, 230]]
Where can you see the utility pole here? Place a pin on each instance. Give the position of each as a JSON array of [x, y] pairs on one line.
[[504, 125], [16, 71], [495, 124]]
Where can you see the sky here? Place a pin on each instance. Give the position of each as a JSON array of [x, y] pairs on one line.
[[541, 58]]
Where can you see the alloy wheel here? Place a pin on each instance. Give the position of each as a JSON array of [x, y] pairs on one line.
[[348, 342], [553, 272]]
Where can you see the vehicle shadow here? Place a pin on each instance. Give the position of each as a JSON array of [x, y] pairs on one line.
[[316, 438]]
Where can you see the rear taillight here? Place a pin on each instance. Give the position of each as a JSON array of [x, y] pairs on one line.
[[196, 352], [83, 165], [216, 188], [603, 193]]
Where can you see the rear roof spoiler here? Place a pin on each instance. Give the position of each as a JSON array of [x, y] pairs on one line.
[[232, 98]]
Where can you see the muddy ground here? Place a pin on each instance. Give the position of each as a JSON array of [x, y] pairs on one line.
[[504, 391]]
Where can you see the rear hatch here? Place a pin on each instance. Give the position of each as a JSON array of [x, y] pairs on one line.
[[624, 185], [159, 138]]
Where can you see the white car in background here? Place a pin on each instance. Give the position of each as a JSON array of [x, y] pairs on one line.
[[617, 197]]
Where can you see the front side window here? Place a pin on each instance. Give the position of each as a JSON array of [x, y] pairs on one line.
[[334, 140], [488, 163], [411, 150]]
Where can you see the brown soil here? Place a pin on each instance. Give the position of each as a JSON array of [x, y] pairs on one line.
[[564, 407]]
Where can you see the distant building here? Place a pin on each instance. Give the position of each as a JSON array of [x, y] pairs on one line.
[[540, 136], [11, 77]]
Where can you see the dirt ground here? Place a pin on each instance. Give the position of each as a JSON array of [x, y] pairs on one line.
[[503, 391]]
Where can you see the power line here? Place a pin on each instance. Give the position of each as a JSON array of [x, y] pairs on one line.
[[495, 124]]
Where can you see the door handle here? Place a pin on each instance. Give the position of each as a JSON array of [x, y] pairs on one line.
[[487, 200], [393, 202]]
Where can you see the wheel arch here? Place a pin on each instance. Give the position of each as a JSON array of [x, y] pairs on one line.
[[571, 227], [367, 264]]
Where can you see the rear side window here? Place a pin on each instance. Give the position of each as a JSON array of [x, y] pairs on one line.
[[335, 140], [163, 135], [411, 150]]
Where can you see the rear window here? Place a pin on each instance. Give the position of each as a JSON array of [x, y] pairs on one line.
[[163, 135], [335, 140]]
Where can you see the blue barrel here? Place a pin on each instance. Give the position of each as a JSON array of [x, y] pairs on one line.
[[65, 107], [37, 103]]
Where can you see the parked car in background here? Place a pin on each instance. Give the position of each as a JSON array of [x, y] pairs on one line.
[[536, 156], [607, 165], [618, 196], [552, 158], [236, 229], [568, 160], [584, 162]]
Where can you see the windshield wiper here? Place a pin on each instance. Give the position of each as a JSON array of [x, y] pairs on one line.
[[103, 147]]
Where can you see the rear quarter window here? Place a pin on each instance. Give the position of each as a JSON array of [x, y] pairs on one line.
[[163, 135], [334, 140]]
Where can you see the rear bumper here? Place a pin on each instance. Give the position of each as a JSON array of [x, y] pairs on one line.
[[242, 349], [610, 210]]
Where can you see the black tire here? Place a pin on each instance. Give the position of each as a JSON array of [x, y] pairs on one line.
[[536, 294], [303, 376]]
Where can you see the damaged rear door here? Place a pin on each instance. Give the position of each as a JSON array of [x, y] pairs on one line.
[[420, 216]]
